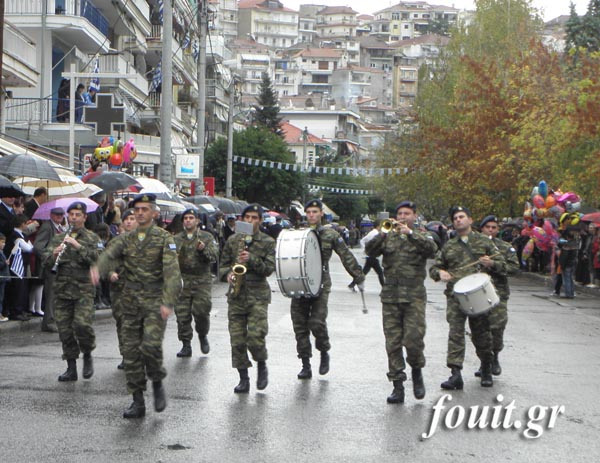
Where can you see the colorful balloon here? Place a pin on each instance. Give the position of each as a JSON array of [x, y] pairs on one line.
[[116, 159], [539, 201], [543, 188], [102, 153], [535, 191], [528, 250], [127, 149], [550, 201]]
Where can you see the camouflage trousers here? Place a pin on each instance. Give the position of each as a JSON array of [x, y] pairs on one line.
[[480, 334], [498, 321], [194, 302], [404, 327], [117, 312], [248, 328], [142, 331], [309, 315], [74, 319]]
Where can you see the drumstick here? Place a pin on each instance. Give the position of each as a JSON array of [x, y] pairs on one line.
[[362, 295], [473, 263]]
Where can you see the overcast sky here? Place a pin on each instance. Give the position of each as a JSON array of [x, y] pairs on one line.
[[551, 8]]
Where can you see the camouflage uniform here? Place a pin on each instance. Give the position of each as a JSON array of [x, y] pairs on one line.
[[309, 314], [151, 278], [247, 313], [195, 299], [74, 292], [403, 296], [499, 314], [116, 290], [453, 256]]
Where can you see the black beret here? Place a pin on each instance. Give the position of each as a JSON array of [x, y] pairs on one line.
[[79, 206], [143, 198], [191, 211], [57, 211], [454, 209], [314, 203], [486, 219], [126, 213], [253, 208], [408, 204]]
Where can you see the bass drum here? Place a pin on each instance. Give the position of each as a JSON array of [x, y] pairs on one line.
[[298, 263], [476, 294]]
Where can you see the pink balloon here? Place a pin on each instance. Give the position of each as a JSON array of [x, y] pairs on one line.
[[528, 250], [539, 201], [127, 149], [569, 196]]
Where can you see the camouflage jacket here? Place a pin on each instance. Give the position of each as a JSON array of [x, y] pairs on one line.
[[192, 262], [261, 263], [74, 264], [404, 261], [332, 241], [149, 261], [512, 266], [455, 256]]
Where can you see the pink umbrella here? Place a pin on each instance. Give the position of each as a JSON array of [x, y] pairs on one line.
[[43, 212]]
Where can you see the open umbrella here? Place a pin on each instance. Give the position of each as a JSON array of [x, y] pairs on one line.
[[8, 189], [26, 165], [43, 212], [113, 181], [592, 217], [67, 186]]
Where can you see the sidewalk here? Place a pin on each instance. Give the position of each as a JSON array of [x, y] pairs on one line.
[[35, 324], [546, 280]]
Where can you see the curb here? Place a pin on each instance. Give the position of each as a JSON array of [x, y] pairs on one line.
[[547, 281], [35, 324]]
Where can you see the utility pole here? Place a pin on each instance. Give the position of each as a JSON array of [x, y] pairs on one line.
[[229, 175], [72, 85], [165, 174], [1, 58], [42, 46], [304, 147], [202, 14]]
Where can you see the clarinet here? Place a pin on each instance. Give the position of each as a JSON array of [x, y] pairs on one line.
[[54, 269]]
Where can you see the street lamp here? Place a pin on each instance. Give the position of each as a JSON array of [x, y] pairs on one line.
[[305, 141]]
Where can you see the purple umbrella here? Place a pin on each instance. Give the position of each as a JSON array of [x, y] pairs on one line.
[[43, 212]]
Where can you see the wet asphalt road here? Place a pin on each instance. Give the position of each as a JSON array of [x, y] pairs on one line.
[[551, 358]]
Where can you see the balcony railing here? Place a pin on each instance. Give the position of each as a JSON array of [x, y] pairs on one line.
[[83, 8], [116, 63], [29, 109], [19, 45]]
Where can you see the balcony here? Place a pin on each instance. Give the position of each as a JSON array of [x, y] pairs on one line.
[[342, 136], [19, 60], [154, 43], [72, 21], [214, 90], [153, 101]]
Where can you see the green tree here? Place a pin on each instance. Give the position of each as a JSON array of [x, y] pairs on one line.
[[573, 29], [439, 26], [270, 187], [583, 31], [267, 107]]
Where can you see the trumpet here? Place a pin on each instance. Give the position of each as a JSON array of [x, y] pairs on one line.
[[54, 268], [239, 269], [389, 225]]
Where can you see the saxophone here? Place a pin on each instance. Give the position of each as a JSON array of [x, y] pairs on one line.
[[239, 270]]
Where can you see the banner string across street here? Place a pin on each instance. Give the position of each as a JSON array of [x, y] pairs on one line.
[[348, 191]]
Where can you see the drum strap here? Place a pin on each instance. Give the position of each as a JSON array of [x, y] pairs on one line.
[[468, 250]]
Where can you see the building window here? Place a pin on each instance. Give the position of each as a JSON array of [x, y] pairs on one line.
[[415, 15], [285, 92], [304, 60], [395, 26], [406, 26], [323, 65]]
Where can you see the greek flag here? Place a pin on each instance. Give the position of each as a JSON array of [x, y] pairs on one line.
[[16, 265], [156, 78], [195, 50], [186, 42], [161, 6], [95, 82]]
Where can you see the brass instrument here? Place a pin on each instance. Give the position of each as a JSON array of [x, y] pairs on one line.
[[54, 268], [239, 269], [388, 225]]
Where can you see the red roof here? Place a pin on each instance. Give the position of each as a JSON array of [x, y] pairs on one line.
[[293, 135], [258, 4], [321, 53], [337, 10]]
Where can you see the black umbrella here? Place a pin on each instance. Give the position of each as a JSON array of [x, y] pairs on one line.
[[113, 181], [9, 189], [26, 165]]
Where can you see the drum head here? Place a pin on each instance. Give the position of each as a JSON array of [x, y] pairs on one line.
[[312, 263], [471, 283]]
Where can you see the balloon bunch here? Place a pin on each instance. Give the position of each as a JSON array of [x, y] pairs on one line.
[[544, 238], [115, 153]]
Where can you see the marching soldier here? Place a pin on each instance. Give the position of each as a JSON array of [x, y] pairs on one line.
[[452, 263], [128, 224], [247, 312], [151, 285], [499, 314], [196, 250], [72, 255], [405, 252], [309, 314]]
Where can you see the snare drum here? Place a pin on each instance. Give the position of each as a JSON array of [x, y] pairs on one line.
[[476, 294], [298, 263]]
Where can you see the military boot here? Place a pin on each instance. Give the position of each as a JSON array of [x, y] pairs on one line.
[[71, 373], [496, 368], [204, 345], [397, 395], [88, 366], [262, 379], [160, 400], [486, 374], [418, 385], [243, 386], [121, 366], [306, 372], [324, 365], [137, 409], [455, 381], [478, 372], [186, 349]]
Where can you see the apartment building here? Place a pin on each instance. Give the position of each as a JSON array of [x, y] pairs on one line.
[[268, 22], [226, 18], [304, 145], [317, 66], [336, 27], [19, 64]]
